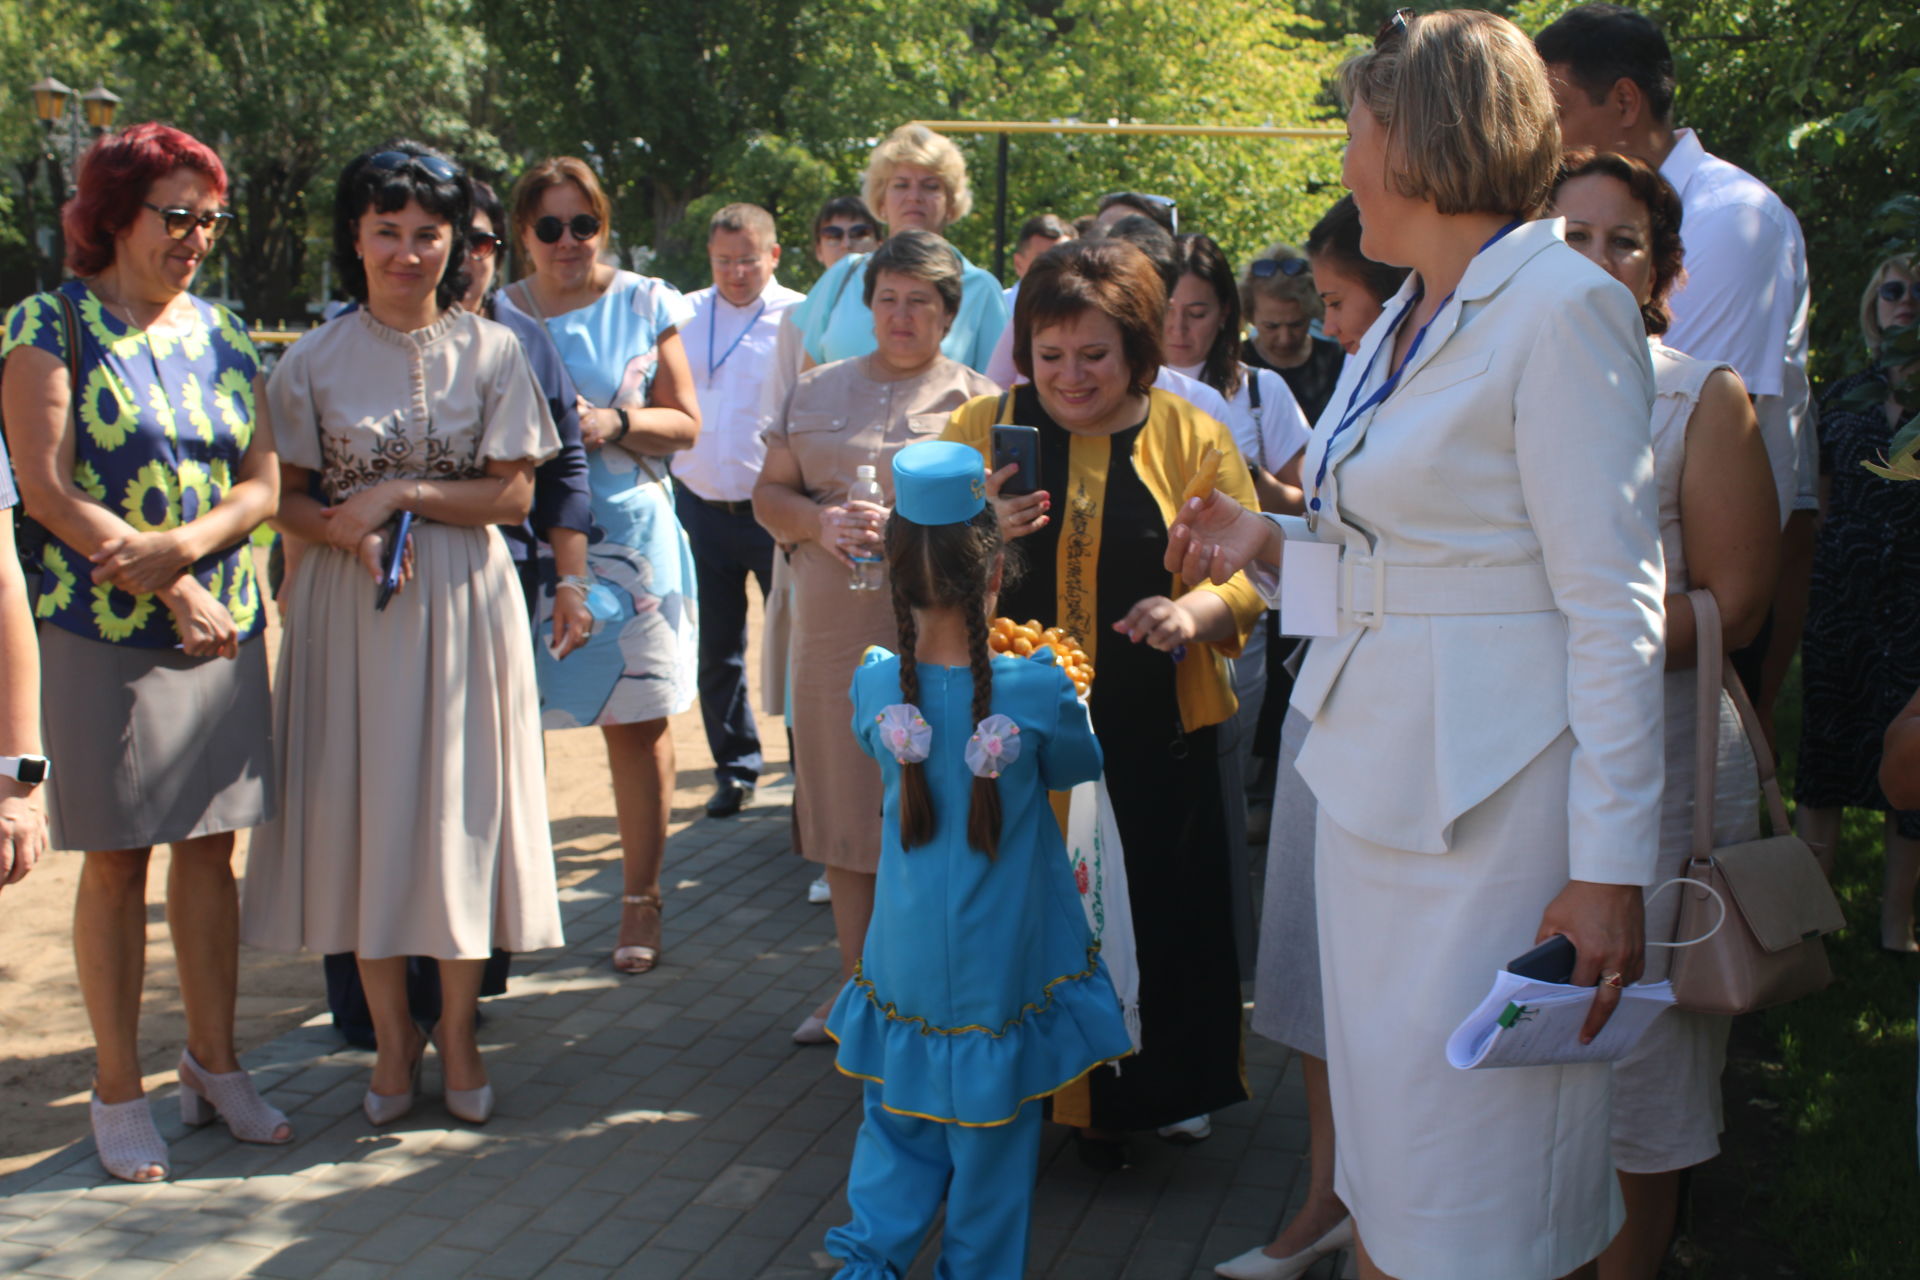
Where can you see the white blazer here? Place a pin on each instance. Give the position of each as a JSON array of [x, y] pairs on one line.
[[1501, 574]]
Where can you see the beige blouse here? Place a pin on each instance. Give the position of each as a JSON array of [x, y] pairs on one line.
[[361, 403]]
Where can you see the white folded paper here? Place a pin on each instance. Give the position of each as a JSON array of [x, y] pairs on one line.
[[1525, 1023]]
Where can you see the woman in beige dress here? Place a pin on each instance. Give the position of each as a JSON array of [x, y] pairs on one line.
[[843, 416], [414, 815]]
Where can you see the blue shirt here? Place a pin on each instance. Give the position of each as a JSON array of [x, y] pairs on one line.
[[836, 324]]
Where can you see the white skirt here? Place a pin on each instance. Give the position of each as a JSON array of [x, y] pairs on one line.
[[1457, 1175]]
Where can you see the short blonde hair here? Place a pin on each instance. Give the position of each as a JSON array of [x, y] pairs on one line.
[[1870, 300], [917, 144], [1470, 118]]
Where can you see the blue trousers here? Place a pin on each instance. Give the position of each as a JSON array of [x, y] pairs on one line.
[[904, 1167], [727, 547]]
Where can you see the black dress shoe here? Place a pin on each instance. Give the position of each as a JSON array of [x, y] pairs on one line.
[[731, 796]]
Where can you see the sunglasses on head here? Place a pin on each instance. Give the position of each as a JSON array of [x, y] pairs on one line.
[[436, 168], [1165, 204], [1394, 28], [483, 244], [181, 222], [1261, 268], [549, 229], [837, 233], [1898, 291]]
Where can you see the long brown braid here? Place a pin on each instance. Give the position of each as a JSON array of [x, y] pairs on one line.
[[946, 566]]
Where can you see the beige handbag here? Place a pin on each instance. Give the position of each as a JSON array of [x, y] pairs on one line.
[[1767, 950]]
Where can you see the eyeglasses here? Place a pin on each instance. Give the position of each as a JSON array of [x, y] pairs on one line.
[[181, 222], [437, 168], [483, 244], [837, 233], [1898, 291], [1394, 28], [1163, 204], [549, 229], [1261, 268]]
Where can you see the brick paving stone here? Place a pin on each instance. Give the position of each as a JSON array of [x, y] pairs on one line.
[[308, 1256], [137, 1269], [441, 1262], [523, 1253]]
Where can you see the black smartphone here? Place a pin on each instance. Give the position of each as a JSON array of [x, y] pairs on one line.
[[1019, 445], [1551, 961], [396, 560]]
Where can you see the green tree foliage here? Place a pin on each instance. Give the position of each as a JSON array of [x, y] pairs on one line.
[[36, 40]]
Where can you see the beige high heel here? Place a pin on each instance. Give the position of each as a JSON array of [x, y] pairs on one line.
[[128, 1144], [385, 1108], [229, 1096], [640, 957]]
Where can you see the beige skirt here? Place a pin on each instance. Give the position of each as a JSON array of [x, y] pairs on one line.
[[149, 745], [413, 817]]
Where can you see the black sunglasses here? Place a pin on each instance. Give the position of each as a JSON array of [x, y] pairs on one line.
[[549, 229], [1166, 204], [1261, 268], [436, 168], [483, 244], [181, 222], [1898, 291], [1395, 27], [836, 233]]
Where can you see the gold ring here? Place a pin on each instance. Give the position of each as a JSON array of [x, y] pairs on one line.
[[1611, 978]]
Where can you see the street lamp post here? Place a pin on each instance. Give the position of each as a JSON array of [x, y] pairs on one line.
[[70, 121]]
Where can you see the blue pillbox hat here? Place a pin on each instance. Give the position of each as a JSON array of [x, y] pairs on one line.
[[939, 482]]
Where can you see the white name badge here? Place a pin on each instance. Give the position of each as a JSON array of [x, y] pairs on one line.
[[1310, 588]]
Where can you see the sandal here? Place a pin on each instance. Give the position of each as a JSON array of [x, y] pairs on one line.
[[230, 1097], [128, 1143], [640, 957]]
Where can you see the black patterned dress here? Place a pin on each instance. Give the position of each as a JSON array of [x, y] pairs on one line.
[[1860, 658]]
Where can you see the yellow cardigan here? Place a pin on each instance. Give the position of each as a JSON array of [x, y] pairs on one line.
[[1166, 455]]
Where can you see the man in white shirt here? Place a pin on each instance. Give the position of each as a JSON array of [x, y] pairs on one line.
[[730, 344], [1745, 298]]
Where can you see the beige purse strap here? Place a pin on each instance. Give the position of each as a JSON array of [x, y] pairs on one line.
[[1707, 640]]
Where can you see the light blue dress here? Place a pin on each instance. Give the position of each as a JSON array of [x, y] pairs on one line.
[[641, 662], [836, 324], [980, 989]]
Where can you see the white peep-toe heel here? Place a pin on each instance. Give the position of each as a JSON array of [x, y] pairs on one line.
[[128, 1143], [230, 1096]]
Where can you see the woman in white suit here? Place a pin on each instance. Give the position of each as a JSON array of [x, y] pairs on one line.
[[1485, 741]]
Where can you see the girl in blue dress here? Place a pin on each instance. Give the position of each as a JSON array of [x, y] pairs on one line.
[[980, 990]]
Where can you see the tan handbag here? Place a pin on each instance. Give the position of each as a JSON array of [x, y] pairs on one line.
[[1767, 950]]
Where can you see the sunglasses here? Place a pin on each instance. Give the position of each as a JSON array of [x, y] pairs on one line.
[[181, 222], [1394, 28], [1897, 291], [483, 244], [837, 233], [1166, 204], [1261, 268], [435, 167], [549, 229]]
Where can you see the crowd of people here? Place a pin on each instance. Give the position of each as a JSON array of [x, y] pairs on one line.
[[1535, 383]]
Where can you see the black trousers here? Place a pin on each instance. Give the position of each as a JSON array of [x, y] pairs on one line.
[[728, 546]]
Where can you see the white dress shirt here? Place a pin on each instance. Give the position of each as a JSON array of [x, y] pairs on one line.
[[1744, 302], [731, 351]]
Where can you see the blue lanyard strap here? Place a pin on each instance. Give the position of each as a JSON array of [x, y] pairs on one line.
[[713, 318], [1386, 388]]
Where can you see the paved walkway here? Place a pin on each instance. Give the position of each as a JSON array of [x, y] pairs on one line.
[[654, 1128]]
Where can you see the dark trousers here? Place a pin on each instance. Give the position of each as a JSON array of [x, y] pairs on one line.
[[727, 546]]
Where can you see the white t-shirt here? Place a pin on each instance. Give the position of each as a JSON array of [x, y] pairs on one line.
[[1270, 435], [732, 352], [1745, 303]]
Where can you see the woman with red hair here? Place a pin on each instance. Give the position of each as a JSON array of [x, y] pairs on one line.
[[132, 409]]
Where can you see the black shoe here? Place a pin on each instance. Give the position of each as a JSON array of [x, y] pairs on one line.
[[729, 798], [1103, 1155]]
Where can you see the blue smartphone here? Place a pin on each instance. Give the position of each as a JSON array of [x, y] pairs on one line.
[[396, 557], [1019, 445]]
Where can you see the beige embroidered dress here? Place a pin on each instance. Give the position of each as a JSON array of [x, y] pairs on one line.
[[839, 418], [414, 815]]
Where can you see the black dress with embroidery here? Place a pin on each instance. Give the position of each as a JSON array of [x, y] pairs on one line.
[[1165, 786], [1860, 657]]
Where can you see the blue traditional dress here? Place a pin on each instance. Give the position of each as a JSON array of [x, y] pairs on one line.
[[980, 989]]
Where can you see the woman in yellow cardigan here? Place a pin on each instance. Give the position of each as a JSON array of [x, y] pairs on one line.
[[1115, 458]]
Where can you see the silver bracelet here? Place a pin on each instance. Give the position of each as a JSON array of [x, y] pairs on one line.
[[580, 582]]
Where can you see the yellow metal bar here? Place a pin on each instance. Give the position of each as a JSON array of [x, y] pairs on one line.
[[275, 337], [1152, 130]]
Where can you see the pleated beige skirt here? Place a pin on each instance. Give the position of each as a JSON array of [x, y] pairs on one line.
[[413, 816], [150, 746]]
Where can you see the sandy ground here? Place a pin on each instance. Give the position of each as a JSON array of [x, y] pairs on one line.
[[46, 1062]]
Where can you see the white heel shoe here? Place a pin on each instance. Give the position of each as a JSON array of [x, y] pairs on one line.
[[128, 1143], [230, 1097], [1256, 1264]]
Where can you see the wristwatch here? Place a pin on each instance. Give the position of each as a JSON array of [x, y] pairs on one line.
[[32, 770]]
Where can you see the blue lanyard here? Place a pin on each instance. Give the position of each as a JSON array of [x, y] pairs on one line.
[[1386, 388], [713, 318]]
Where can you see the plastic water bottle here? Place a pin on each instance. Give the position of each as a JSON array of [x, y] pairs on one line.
[[869, 571]]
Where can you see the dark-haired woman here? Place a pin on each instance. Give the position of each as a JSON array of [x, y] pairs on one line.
[[154, 687], [415, 817], [843, 416], [1115, 456], [1353, 288], [1719, 531], [981, 990]]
